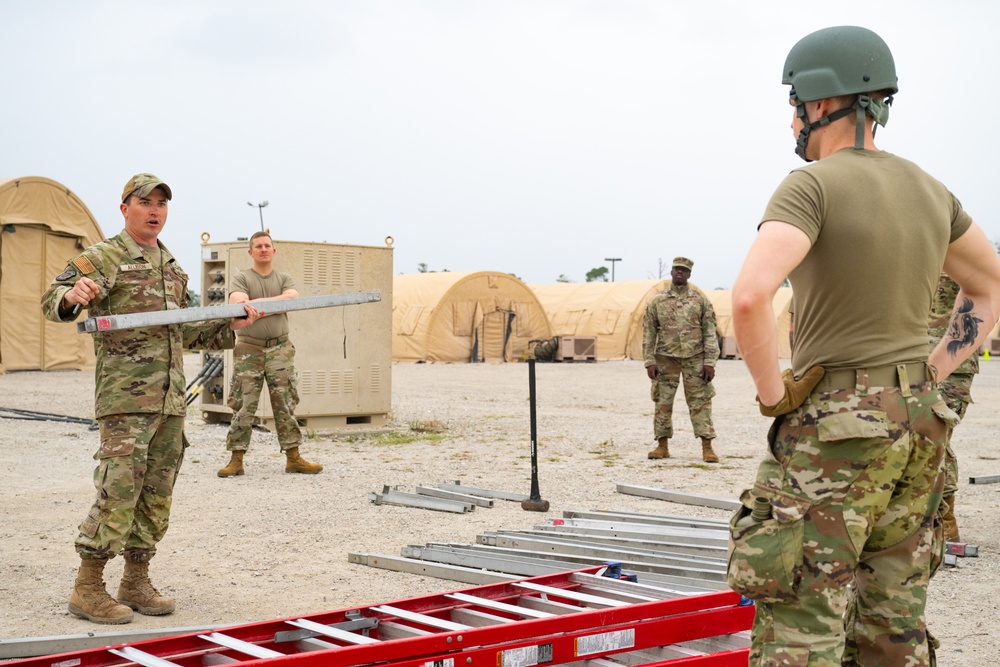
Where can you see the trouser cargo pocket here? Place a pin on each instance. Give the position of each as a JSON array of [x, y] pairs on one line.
[[765, 557]]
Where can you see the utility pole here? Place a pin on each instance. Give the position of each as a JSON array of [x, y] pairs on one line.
[[260, 209], [612, 260]]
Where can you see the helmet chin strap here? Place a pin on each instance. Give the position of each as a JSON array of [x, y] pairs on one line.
[[877, 109]]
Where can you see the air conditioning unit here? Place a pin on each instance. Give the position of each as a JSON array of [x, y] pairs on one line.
[[577, 348], [728, 349], [993, 345]]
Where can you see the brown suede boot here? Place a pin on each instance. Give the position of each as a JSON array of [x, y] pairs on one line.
[[235, 465], [296, 463], [661, 451], [90, 599], [707, 454], [137, 591]]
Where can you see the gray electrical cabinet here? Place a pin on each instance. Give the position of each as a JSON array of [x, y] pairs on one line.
[[343, 354]]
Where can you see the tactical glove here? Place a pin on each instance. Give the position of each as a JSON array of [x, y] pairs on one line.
[[796, 391]]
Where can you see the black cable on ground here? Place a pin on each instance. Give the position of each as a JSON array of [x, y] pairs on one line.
[[33, 415]]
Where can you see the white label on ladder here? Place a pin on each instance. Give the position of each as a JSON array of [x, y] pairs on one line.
[[605, 642], [526, 656], [447, 662]]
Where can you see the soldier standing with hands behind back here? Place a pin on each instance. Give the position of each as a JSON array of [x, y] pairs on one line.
[[680, 341], [264, 354], [140, 399]]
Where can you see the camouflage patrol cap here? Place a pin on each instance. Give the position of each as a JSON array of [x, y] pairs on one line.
[[141, 185], [683, 261]]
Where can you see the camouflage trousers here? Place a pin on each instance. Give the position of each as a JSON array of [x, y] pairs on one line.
[[956, 389], [854, 480], [139, 459], [252, 367], [697, 393]]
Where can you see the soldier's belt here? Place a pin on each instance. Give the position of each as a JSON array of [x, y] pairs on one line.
[[880, 376], [262, 342], [223, 312]]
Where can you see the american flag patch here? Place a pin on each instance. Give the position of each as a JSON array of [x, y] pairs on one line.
[[83, 264]]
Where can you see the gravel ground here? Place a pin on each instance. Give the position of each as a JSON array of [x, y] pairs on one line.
[[271, 545]]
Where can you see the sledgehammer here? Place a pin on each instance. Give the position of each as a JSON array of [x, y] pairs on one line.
[[534, 503]]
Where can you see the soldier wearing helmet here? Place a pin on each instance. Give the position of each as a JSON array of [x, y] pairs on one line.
[[852, 480]]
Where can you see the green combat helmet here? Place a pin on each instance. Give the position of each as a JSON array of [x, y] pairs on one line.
[[844, 60]]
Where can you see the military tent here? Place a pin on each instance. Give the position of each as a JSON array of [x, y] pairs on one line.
[[464, 317], [610, 311], [722, 303], [42, 226]]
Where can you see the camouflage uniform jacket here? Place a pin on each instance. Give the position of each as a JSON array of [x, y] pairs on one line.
[[680, 323], [940, 318], [138, 370]]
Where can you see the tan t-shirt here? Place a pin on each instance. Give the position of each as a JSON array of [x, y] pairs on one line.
[[260, 287], [880, 227]]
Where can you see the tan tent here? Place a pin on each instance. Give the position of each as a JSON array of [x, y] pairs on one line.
[[42, 226], [613, 312], [461, 317], [782, 302], [722, 303]]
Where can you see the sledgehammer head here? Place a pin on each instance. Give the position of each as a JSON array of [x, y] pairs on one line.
[[535, 505]]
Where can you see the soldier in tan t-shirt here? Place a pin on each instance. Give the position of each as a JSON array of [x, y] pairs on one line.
[[843, 508], [264, 354]]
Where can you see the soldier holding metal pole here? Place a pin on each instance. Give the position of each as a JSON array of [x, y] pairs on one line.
[[140, 399], [264, 354]]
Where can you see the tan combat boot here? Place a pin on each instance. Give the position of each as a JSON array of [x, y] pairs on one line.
[[90, 599], [707, 454], [235, 465], [950, 524], [661, 451], [296, 463], [137, 591]]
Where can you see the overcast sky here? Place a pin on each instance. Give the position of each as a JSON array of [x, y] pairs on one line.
[[535, 137]]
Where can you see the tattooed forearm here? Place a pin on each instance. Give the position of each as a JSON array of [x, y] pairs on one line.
[[964, 328]]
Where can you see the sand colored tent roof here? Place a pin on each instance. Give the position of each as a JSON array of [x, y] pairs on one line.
[[462, 317], [722, 303], [613, 312], [42, 226]]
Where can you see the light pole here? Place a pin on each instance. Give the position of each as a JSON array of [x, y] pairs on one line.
[[260, 209], [606, 259]]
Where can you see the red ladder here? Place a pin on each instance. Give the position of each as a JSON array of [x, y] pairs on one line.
[[548, 620]]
